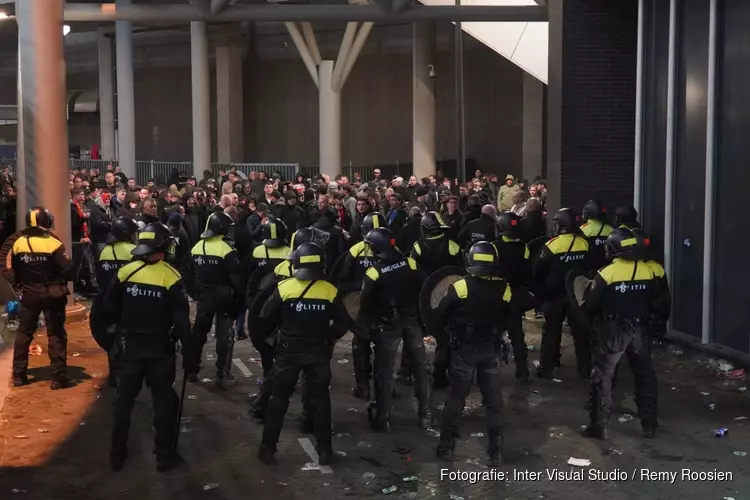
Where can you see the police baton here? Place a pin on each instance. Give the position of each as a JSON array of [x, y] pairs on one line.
[[179, 410]]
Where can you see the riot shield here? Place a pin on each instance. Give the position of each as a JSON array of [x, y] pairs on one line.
[[335, 271], [349, 295], [576, 283], [535, 247], [257, 327], [433, 290]]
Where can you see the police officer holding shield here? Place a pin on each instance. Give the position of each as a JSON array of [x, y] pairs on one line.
[[475, 307]]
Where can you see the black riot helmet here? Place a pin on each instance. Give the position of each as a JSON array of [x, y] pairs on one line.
[[308, 262], [372, 221], [626, 215], [482, 260], [644, 242], [308, 235], [623, 244], [382, 243], [274, 233], [565, 221], [122, 229], [508, 224], [39, 217], [594, 210], [153, 238], [218, 224], [433, 224]]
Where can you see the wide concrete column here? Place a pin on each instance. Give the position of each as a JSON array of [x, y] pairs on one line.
[[533, 126], [330, 121], [423, 99], [201, 98], [125, 95], [229, 109], [106, 98]]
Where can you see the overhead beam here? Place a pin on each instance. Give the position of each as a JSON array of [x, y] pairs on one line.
[[109, 12], [219, 5]]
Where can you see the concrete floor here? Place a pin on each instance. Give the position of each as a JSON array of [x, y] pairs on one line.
[[64, 452]]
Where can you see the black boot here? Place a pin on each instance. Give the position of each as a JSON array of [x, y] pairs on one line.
[[362, 391], [117, 459], [266, 453], [224, 379], [325, 455], [596, 431], [445, 449], [381, 424], [544, 373], [649, 430], [167, 461], [495, 451], [61, 383], [20, 380], [425, 417], [522, 373]]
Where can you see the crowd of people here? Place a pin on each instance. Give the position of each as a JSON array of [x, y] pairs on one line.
[[272, 257]]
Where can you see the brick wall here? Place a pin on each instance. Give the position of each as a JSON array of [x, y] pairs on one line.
[[596, 85]]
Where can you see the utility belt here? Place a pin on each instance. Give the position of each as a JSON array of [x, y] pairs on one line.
[[471, 334], [125, 336]]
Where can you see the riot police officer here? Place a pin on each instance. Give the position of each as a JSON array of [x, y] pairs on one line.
[[474, 308], [389, 303], [358, 261], [596, 230], [300, 236], [35, 261], [270, 253], [515, 267], [146, 301], [626, 217], [567, 251], [311, 320], [621, 299], [114, 256], [658, 324], [431, 252], [213, 279]]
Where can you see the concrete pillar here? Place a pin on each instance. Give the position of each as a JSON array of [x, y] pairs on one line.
[[330, 121], [201, 98], [230, 129], [423, 99], [533, 125], [125, 95], [554, 107], [106, 98]]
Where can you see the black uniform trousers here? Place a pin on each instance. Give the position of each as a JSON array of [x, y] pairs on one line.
[[361, 353], [612, 339], [442, 360], [387, 340], [517, 337], [468, 360], [216, 305], [53, 309], [260, 405], [317, 373], [159, 374], [265, 350], [555, 312]]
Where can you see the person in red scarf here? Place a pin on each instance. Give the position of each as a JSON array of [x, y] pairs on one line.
[[345, 218], [85, 282]]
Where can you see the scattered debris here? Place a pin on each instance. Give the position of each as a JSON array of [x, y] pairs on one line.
[[340, 453], [557, 380], [674, 388], [710, 406], [310, 466], [409, 479], [184, 429], [626, 417], [36, 350], [740, 453], [83, 423], [351, 409], [342, 361], [727, 498], [364, 444], [390, 490], [367, 476], [341, 435], [535, 363], [21, 436], [721, 432], [614, 451], [76, 354], [477, 434], [579, 462], [704, 393], [741, 418], [675, 350], [476, 461], [17, 491], [453, 496], [210, 486], [42, 431], [206, 380], [282, 483], [192, 397], [741, 389], [432, 432], [186, 420]]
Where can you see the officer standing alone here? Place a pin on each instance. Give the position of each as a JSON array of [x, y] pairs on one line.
[[311, 320], [474, 308], [35, 261], [622, 299], [389, 304], [146, 301], [213, 279]]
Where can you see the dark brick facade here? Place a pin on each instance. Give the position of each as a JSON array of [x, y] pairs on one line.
[[593, 82]]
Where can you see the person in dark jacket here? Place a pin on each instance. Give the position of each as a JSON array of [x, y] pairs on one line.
[[363, 208], [533, 224], [473, 211], [255, 223], [396, 216], [289, 212], [336, 244], [412, 230], [181, 239], [481, 229]]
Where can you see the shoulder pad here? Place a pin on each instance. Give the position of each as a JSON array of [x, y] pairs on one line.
[[412, 263], [453, 247], [372, 273], [461, 288]]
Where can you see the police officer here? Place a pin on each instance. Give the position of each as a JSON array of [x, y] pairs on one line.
[[312, 320], [389, 302], [596, 230], [474, 308], [300, 236], [567, 251], [272, 251], [480, 229], [621, 299], [433, 251], [114, 256], [626, 217], [358, 260], [658, 323], [146, 301], [35, 261], [213, 279], [515, 268]]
